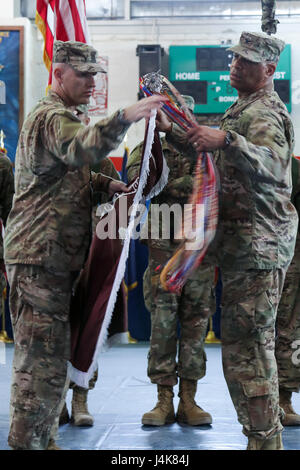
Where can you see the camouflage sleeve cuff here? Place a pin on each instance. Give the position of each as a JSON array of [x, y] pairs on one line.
[[177, 138], [100, 182], [239, 152], [121, 118], [77, 145], [116, 126], [233, 139]]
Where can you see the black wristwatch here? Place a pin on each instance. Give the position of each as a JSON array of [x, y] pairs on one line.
[[228, 139]]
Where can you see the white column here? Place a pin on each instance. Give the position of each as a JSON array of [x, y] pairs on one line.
[[17, 8], [127, 9], [7, 8]]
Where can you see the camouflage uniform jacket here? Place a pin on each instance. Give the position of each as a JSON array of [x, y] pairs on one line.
[[257, 221], [6, 191], [50, 221]]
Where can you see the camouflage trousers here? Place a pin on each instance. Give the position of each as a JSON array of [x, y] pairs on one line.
[[249, 307], [39, 306], [288, 330], [190, 310]]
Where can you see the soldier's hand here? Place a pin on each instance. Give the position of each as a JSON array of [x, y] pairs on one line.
[[117, 187], [204, 138], [143, 108], [162, 122]]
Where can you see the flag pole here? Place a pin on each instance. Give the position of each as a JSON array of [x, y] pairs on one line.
[[211, 337]]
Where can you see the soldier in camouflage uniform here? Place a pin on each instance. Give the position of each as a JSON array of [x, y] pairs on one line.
[[257, 230], [191, 308], [48, 234], [6, 197], [288, 322]]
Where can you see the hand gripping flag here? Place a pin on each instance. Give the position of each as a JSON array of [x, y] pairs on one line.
[[199, 226]]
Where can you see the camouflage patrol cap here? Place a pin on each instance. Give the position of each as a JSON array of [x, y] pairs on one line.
[[79, 55], [258, 47], [190, 102]]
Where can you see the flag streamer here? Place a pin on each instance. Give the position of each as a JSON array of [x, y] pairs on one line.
[[205, 192], [186, 260]]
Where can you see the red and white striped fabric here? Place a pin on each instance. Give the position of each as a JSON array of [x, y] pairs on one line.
[[44, 19], [71, 24], [64, 20]]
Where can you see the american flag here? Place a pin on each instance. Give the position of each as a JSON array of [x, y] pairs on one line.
[[64, 20]]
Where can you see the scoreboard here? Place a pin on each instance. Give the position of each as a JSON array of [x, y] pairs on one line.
[[203, 72]]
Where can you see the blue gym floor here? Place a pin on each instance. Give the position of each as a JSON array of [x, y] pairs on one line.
[[123, 393]]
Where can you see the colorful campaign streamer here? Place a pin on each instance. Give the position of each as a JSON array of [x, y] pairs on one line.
[[192, 250]]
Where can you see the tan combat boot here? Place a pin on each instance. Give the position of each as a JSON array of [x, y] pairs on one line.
[[52, 445], [290, 418], [163, 413], [80, 414], [188, 411], [275, 443], [64, 417]]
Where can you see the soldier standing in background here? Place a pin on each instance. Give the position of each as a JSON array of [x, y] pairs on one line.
[[190, 309], [6, 191], [48, 234], [6, 197], [257, 230], [288, 322]]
